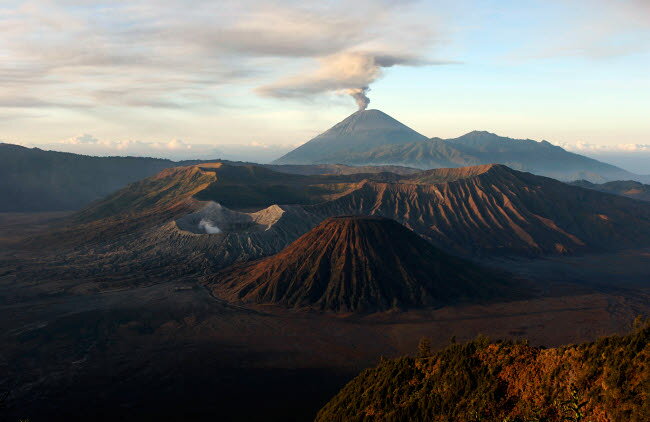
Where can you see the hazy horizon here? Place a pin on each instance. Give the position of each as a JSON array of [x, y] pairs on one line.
[[635, 161]]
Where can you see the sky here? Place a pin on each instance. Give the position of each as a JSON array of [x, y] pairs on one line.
[[252, 79]]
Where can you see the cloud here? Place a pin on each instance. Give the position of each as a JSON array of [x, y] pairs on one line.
[[14, 115], [630, 156], [84, 139], [284, 32], [634, 147], [594, 29], [586, 147], [175, 149], [173, 145], [164, 54], [348, 72], [337, 72]]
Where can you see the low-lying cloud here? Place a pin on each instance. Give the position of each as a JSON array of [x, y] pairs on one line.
[[174, 149], [629, 156], [130, 145], [604, 148]]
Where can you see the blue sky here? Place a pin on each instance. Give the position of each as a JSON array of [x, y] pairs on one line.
[[251, 79]]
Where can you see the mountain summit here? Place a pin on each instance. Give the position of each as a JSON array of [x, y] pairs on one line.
[[361, 131]]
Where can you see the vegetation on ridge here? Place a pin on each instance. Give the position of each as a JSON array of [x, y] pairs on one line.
[[606, 380]]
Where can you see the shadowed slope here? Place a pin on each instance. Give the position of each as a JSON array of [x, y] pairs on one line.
[[424, 154], [35, 180], [480, 147], [360, 264]]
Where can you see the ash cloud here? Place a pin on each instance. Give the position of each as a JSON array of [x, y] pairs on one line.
[[359, 95], [349, 73]]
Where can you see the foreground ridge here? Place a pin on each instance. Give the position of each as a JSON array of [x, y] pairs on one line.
[[606, 380]]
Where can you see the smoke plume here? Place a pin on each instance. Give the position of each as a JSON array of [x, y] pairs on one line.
[[359, 95], [349, 72], [208, 227]]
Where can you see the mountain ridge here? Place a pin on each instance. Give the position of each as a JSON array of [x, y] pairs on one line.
[[32, 179], [500, 210], [473, 148], [485, 211]]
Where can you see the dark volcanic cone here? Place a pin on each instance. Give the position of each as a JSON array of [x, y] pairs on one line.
[[362, 131], [360, 264]]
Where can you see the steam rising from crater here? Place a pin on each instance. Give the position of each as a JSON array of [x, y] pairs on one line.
[[208, 227]]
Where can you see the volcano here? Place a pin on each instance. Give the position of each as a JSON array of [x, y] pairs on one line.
[[361, 131], [360, 264], [373, 138]]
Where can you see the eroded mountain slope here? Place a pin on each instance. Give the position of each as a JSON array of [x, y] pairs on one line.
[[178, 219], [494, 209], [360, 263]]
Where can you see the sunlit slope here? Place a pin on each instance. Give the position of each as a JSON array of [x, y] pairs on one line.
[[606, 380]]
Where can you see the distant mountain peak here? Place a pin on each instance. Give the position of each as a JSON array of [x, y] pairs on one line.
[[361, 131], [481, 133], [483, 136], [367, 121]]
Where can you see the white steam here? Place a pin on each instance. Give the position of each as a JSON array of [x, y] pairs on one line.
[[208, 227]]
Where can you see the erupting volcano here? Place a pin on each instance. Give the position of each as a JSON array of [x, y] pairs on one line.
[[361, 131]]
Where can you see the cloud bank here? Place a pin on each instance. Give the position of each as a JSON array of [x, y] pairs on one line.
[[602, 148], [151, 54]]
